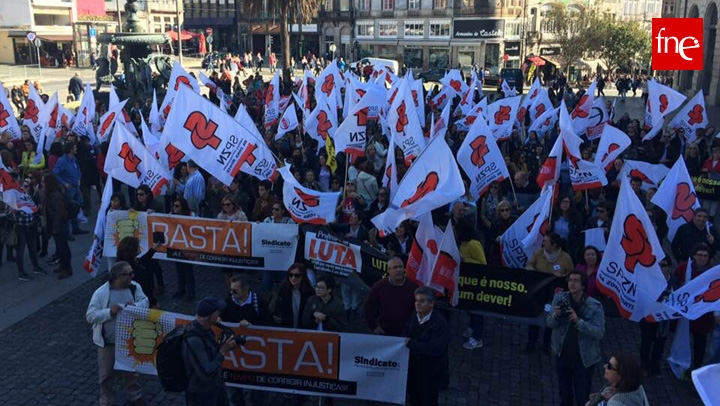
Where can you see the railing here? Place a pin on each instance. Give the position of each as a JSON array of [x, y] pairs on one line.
[[21, 72]]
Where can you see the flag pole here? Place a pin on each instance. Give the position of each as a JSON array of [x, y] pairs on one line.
[[347, 165], [512, 187]]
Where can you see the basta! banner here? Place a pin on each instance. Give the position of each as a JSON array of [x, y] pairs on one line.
[[352, 366], [506, 291]]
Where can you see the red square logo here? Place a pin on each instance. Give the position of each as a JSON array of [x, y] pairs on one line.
[[677, 43]]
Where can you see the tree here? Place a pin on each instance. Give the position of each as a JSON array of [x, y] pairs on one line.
[[624, 42], [574, 28], [301, 10]]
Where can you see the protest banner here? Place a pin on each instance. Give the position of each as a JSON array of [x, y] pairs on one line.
[[353, 366], [706, 188], [208, 242], [506, 291], [331, 254]]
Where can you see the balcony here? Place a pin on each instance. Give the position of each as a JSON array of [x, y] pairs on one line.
[[413, 12], [441, 12]]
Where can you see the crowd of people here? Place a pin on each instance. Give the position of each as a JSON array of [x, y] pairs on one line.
[[62, 182]]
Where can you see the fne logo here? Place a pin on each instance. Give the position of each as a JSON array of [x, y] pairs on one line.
[[677, 43]]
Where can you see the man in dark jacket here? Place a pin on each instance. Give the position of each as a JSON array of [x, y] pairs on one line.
[[427, 338], [690, 234], [75, 87], [203, 356]]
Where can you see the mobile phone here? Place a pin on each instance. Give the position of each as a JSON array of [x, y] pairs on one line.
[[159, 237]]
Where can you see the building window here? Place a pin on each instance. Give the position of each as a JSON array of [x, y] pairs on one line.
[[439, 58], [388, 5], [492, 58], [366, 29], [512, 28], [344, 5], [413, 56], [328, 5], [413, 4], [363, 5], [440, 29], [439, 3], [388, 29], [414, 29]]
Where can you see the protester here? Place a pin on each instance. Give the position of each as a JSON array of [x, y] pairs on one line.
[[690, 234], [279, 215], [56, 214], [185, 271], [589, 265], [193, 191], [128, 250], [26, 231], [427, 338], [295, 290], [625, 384], [231, 210], [324, 311], [106, 302], [389, 304], [203, 356]]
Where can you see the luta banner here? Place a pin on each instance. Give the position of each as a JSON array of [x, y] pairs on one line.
[[231, 244], [507, 291], [352, 366]]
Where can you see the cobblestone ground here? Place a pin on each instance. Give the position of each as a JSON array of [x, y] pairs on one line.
[[49, 359]]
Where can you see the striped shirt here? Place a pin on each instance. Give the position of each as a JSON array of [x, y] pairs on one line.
[[193, 191]]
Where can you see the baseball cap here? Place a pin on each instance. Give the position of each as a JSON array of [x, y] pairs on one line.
[[209, 305]]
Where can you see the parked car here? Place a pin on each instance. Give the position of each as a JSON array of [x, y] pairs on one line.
[[514, 78], [432, 75]]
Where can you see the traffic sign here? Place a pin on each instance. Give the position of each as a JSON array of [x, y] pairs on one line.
[[92, 31], [31, 36], [37, 42]]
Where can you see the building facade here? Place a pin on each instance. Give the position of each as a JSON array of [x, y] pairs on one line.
[[428, 34]]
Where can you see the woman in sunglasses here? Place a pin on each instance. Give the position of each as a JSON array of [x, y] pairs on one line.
[[294, 293], [625, 384], [231, 209]]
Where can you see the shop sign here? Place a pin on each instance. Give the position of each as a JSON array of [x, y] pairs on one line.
[[551, 51], [305, 28], [512, 48], [479, 28]]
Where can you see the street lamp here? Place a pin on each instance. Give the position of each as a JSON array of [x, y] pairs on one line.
[[333, 48]]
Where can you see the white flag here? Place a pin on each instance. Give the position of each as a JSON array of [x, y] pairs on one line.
[[501, 116], [550, 170], [8, 122], [453, 80], [154, 116], [423, 251], [631, 274], [131, 163], [322, 122], [613, 142], [481, 159], [151, 140], [676, 196], [691, 117], [34, 108], [650, 174], [537, 232], [351, 136], [432, 181], [307, 205], [545, 122], [178, 77], [595, 237], [581, 113], [288, 122], [217, 142], [583, 174], [598, 119], [446, 270], [107, 121], [662, 100], [541, 104], [93, 260], [404, 124], [272, 101], [514, 253], [706, 381]]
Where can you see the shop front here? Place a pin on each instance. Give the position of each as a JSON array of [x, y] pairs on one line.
[[56, 48], [224, 37], [85, 35]]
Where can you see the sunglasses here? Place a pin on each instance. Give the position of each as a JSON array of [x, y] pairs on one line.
[[294, 275], [504, 210], [177, 205], [140, 194], [227, 204], [275, 209]]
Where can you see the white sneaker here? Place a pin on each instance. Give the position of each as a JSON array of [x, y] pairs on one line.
[[467, 333], [472, 344], [81, 218]]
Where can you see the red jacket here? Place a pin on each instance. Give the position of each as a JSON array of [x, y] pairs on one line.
[[709, 166]]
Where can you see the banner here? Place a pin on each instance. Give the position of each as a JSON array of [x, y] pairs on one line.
[[507, 291], [706, 188], [230, 244], [352, 366], [327, 253]]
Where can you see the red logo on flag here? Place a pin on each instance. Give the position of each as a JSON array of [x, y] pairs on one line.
[[174, 156], [578, 111], [31, 111], [470, 120], [328, 85], [636, 244], [479, 150], [402, 118], [539, 109], [323, 124], [432, 246], [684, 201], [53, 117], [677, 43], [636, 173], [308, 199], [711, 295], [3, 116], [202, 131], [362, 116], [543, 226], [613, 146], [184, 80], [696, 115], [456, 84], [428, 185], [502, 115], [663, 102], [534, 94], [360, 92], [269, 94], [414, 96], [130, 161], [106, 124]]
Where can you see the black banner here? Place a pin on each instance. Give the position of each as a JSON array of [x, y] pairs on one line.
[[706, 188], [508, 291], [512, 48], [479, 28]]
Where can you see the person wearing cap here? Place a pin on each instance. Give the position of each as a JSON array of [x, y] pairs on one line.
[[203, 356], [105, 304]]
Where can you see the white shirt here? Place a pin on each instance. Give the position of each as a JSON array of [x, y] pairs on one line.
[[423, 320]]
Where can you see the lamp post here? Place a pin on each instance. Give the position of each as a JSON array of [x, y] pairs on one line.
[[179, 29]]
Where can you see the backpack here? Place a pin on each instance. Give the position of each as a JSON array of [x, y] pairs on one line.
[[170, 362]]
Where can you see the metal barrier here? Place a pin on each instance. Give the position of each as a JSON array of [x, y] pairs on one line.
[[21, 71]]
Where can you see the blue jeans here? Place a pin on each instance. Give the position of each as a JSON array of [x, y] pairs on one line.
[[714, 346], [573, 381], [73, 194]]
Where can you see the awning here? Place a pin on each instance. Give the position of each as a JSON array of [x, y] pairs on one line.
[[537, 60], [590, 64], [184, 35], [552, 61], [56, 37]]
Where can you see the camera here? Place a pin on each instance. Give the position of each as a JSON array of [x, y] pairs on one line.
[[227, 333], [564, 308]]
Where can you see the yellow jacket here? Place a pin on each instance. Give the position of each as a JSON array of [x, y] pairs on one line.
[[27, 162]]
